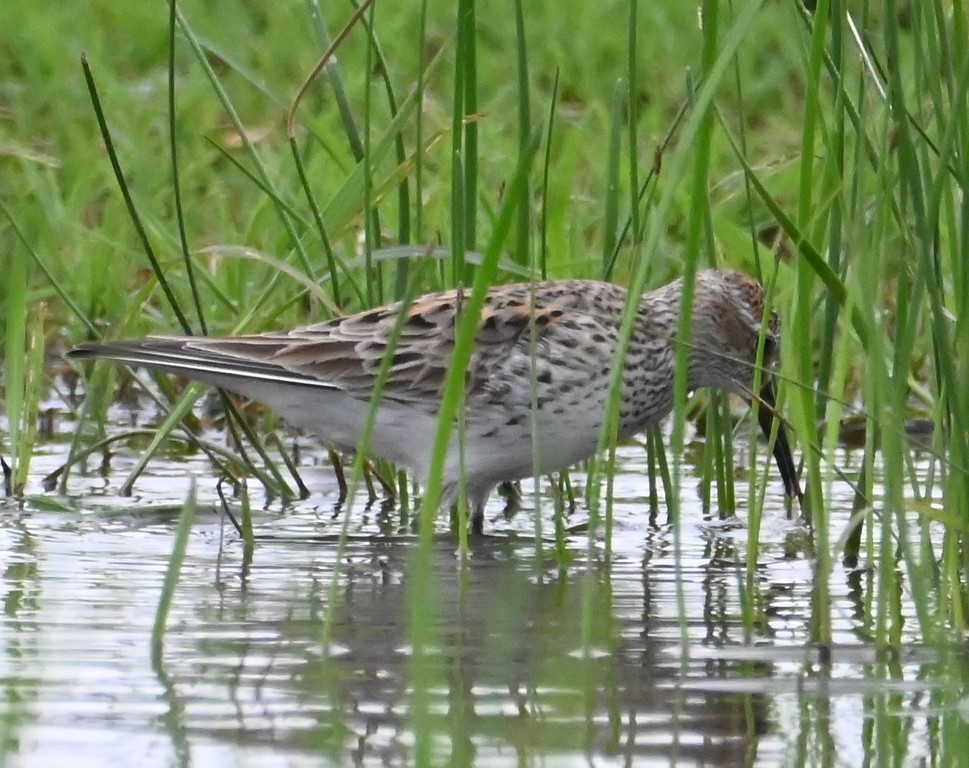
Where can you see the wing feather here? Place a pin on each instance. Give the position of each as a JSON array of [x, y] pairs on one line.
[[347, 353]]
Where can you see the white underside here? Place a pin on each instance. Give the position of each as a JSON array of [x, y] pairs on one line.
[[405, 436]]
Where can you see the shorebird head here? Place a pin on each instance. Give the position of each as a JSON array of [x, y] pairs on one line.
[[733, 334], [729, 323]]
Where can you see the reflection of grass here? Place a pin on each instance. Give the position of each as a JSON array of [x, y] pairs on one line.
[[788, 146]]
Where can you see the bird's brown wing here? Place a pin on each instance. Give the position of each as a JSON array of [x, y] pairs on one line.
[[347, 353]]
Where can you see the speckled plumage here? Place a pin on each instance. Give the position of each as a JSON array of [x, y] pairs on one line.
[[321, 377]]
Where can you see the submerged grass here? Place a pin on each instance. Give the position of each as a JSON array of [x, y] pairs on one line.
[[179, 547], [823, 151]]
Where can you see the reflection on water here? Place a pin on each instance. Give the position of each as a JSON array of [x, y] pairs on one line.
[[658, 669]]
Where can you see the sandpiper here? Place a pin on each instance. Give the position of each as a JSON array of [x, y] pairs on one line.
[[548, 346]]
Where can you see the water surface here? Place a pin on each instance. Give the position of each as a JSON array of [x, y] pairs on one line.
[[634, 656]]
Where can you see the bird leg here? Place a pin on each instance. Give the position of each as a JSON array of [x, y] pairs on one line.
[[477, 518]]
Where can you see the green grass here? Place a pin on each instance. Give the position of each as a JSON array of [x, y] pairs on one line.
[[825, 155]]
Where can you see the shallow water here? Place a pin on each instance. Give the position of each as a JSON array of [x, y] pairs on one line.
[[659, 670]]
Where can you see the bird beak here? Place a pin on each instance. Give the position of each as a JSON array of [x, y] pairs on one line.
[[782, 448]]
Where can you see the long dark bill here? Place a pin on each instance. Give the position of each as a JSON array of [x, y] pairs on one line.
[[782, 448]]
